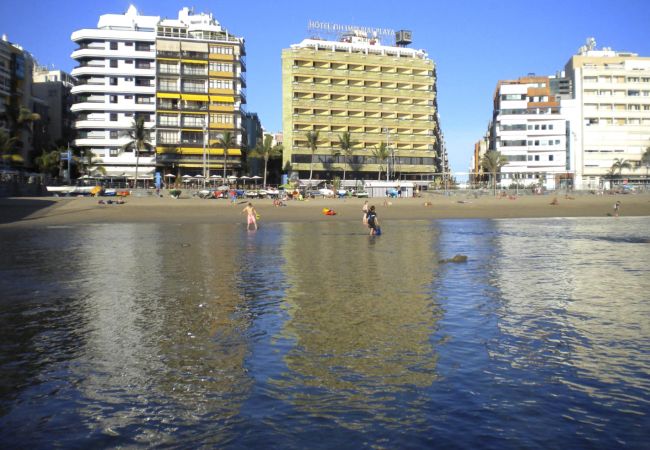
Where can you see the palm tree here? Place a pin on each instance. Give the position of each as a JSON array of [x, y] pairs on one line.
[[312, 143], [225, 141], [645, 160], [139, 141], [492, 162], [48, 162], [620, 164], [267, 150], [87, 164], [7, 146], [346, 143], [381, 154]]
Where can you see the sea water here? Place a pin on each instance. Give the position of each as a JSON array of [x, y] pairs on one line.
[[320, 336]]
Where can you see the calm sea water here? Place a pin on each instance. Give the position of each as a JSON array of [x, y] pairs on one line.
[[319, 336]]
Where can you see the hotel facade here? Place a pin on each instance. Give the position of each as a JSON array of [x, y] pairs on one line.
[[377, 93], [184, 77]]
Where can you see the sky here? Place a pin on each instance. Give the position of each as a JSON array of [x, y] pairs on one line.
[[473, 43]]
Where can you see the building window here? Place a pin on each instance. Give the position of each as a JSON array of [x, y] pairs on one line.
[[113, 152], [550, 157], [113, 45], [128, 61], [113, 63], [167, 137], [113, 134], [113, 81], [167, 120], [220, 67], [113, 98], [221, 50], [220, 84], [113, 117], [536, 157]]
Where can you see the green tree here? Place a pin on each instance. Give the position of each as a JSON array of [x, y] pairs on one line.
[[645, 160], [312, 143], [225, 141], [266, 150], [7, 147], [87, 164], [492, 162], [346, 143], [138, 141], [381, 154], [620, 164], [49, 162]]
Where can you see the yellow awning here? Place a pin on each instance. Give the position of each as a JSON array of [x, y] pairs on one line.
[[195, 97], [222, 98], [194, 61], [167, 95]]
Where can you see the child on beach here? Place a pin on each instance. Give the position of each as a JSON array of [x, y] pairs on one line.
[[251, 216], [373, 221], [617, 206]]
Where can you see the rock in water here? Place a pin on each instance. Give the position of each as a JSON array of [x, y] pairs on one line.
[[455, 259]]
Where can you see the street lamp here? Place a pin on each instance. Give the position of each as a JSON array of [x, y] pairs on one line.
[[204, 154]]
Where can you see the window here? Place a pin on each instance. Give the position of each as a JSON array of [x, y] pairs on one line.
[[221, 50], [113, 152], [113, 98], [220, 67], [166, 84], [113, 117], [113, 45], [113, 134], [128, 44], [113, 81], [167, 137], [128, 97], [536, 157], [167, 120], [550, 157], [113, 63], [193, 86], [221, 118], [220, 84], [193, 121]]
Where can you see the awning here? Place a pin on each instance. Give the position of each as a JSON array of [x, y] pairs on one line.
[[222, 98], [196, 97], [167, 95]]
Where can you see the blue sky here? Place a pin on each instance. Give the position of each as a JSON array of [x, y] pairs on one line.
[[474, 43]]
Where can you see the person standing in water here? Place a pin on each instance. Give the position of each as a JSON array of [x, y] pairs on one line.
[[373, 221], [251, 216]]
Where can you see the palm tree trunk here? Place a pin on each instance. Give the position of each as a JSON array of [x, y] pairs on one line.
[[266, 160], [311, 168], [137, 160], [225, 163]]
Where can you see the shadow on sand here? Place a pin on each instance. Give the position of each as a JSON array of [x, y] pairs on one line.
[[16, 209]]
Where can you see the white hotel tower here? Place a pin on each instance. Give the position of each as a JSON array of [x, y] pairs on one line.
[[116, 74]]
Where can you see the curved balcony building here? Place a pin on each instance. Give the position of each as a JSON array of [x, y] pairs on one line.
[[117, 84]]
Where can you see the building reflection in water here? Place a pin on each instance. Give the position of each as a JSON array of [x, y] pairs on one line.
[[167, 324], [574, 302], [361, 315]]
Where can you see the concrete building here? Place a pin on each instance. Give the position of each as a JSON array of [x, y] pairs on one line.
[[116, 85], [378, 93], [529, 129], [184, 76], [610, 118], [54, 88], [200, 95], [16, 66]]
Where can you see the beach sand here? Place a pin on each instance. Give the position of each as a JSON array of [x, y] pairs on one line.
[[47, 211]]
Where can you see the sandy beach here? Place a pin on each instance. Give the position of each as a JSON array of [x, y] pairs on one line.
[[47, 211]]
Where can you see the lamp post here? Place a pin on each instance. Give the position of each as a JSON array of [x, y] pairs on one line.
[[204, 154], [388, 159]]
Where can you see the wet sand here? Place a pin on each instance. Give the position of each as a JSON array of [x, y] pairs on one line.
[[47, 211]]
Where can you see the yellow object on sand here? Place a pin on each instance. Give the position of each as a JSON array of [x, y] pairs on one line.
[[96, 190]]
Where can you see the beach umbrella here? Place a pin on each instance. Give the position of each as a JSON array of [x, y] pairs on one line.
[[169, 175], [198, 176], [244, 178], [256, 177]]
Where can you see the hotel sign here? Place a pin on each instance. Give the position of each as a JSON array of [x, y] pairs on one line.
[[338, 28]]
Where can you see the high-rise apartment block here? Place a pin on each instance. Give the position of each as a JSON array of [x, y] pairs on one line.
[[183, 76], [529, 129], [611, 115], [572, 129], [378, 93]]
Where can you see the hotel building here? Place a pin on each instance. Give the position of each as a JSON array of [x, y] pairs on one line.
[[378, 93], [183, 76], [611, 117]]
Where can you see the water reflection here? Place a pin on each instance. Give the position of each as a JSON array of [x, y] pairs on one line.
[[360, 319]]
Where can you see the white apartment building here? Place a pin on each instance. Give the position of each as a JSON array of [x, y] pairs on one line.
[[116, 84], [529, 129], [611, 116]]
